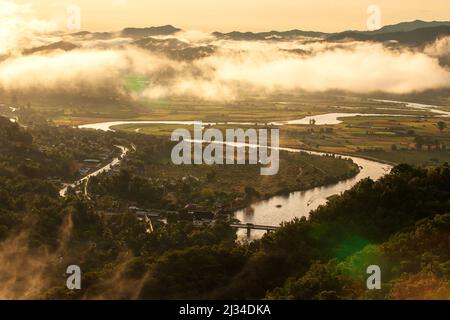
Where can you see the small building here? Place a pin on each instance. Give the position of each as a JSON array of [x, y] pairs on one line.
[[83, 171], [134, 209], [202, 218], [141, 213], [192, 206], [153, 214], [91, 163]]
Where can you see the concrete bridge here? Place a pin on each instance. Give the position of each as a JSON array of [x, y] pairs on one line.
[[250, 226]]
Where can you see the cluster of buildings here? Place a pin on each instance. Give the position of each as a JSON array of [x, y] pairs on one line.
[[87, 166], [200, 218]]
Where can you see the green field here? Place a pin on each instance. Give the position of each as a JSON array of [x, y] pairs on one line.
[[392, 139]]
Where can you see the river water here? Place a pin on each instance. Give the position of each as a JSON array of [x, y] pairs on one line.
[[419, 106], [280, 209], [334, 118], [274, 211]]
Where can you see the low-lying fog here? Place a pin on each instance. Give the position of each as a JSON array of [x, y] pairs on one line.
[[218, 69]]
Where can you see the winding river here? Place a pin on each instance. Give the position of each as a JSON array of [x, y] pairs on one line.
[[279, 209], [298, 204]]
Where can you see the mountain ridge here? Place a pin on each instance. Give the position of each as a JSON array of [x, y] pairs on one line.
[[144, 37], [165, 30], [414, 37]]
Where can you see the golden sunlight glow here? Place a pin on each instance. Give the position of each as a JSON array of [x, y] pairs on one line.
[[251, 15]]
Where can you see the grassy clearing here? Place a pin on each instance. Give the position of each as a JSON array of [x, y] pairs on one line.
[[385, 138], [297, 172], [392, 139], [389, 139]]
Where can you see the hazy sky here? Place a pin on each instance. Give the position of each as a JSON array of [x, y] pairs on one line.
[[252, 15]]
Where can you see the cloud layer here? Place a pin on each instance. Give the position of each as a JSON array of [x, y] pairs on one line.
[[18, 26], [234, 69]]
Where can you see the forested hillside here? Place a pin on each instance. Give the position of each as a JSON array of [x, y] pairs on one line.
[[401, 223]]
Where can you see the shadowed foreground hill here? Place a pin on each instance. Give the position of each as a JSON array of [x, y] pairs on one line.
[[414, 264]]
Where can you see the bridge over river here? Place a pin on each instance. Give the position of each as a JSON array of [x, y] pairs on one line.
[[250, 226]]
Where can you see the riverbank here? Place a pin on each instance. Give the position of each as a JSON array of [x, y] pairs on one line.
[[278, 209], [359, 155], [247, 203]]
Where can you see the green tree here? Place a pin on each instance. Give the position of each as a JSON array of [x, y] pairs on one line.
[[441, 125]]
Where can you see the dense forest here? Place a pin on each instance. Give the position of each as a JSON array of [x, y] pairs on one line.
[[401, 223]]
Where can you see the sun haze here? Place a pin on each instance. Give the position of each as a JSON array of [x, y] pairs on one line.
[[251, 15]]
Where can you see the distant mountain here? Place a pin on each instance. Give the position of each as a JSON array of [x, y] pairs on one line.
[[161, 44], [390, 32], [80, 34], [149, 32], [135, 33], [61, 45], [175, 49], [271, 35], [411, 25], [94, 35], [414, 33], [415, 37]]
